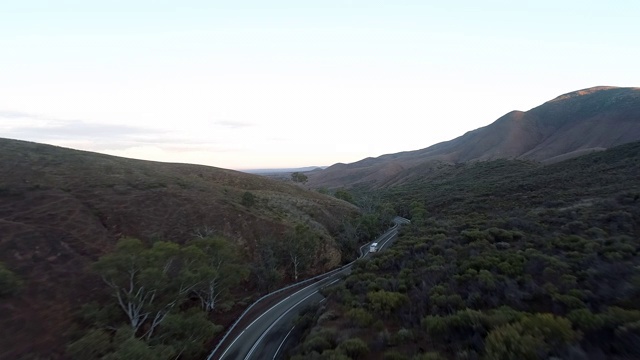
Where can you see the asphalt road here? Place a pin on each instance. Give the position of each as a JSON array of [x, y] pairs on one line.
[[265, 337]]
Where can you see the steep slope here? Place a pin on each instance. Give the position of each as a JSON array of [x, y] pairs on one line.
[[569, 125], [61, 209]]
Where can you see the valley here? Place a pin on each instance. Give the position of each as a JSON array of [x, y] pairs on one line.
[[522, 243]]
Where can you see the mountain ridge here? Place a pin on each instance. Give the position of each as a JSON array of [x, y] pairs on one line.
[[574, 123]]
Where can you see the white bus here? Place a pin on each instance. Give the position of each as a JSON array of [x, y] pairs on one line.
[[373, 247]]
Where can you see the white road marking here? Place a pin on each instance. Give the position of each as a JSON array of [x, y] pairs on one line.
[[391, 233], [282, 343], [258, 318], [253, 348]]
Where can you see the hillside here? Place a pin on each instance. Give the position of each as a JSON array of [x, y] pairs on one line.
[[61, 209], [503, 259], [570, 125]]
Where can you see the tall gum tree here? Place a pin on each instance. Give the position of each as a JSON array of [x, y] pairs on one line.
[[147, 283]]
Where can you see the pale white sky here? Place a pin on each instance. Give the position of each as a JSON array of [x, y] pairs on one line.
[[263, 84]]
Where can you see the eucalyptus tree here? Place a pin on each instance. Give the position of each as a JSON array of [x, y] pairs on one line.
[[218, 269], [148, 283]]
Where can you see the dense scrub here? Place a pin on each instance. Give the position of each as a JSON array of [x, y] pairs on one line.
[[503, 260]]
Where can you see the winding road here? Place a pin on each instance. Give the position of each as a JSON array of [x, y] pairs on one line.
[[266, 336]]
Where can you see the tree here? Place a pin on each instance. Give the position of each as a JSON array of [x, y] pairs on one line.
[[146, 282], [299, 177], [343, 194], [265, 267], [217, 269], [248, 199], [186, 333], [300, 247]]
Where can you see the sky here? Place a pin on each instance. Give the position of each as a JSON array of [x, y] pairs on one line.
[[279, 84]]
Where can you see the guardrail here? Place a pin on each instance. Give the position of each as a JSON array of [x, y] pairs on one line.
[[328, 273]]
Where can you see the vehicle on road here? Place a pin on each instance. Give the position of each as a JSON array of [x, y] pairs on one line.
[[266, 335]]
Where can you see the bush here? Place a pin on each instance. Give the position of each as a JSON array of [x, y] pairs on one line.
[[316, 343], [534, 336], [356, 348], [511, 341], [360, 317], [585, 320], [435, 325], [384, 302], [248, 199]]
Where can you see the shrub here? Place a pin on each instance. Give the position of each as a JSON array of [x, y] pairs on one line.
[[360, 317], [356, 348], [584, 319], [316, 343], [248, 199], [512, 342]]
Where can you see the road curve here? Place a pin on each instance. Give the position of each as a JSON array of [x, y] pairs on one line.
[[264, 337]]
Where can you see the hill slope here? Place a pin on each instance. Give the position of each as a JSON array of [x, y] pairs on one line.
[[61, 209], [498, 253], [567, 126]]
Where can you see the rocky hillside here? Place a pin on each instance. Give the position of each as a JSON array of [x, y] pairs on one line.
[[60, 209], [570, 125]]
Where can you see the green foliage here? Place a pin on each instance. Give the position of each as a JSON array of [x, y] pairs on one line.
[[435, 325], [360, 317], [384, 302], [187, 332], [101, 315], [134, 349], [512, 341], [95, 344], [248, 199], [299, 177], [355, 348], [216, 268], [343, 194], [10, 283], [512, 260], [151, 287], [264, 270], [147, 282], [585, 320], [555, 330], [300, 247], [534, 336], [317, 344]]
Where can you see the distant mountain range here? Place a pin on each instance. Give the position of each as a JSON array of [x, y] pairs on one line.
[[570, 125], [283, 170]]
